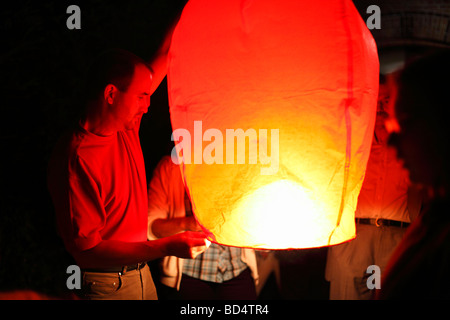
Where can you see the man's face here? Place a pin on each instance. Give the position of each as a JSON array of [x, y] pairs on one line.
[[383, 105], [130, 105], [383, 101]]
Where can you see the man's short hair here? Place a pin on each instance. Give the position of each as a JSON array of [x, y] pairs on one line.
[[114, 66]]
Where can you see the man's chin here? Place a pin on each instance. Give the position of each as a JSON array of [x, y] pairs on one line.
[[133, 124]]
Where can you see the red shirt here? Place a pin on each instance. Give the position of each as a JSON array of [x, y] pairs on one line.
[[384, 193], [98, 186]]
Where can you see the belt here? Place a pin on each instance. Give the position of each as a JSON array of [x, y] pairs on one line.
[[121, 270], [382, 222]]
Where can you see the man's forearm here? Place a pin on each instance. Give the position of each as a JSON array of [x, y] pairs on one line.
[[112, 253], [167, 227], [158, 63]]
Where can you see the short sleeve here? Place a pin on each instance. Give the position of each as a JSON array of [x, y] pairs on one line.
[[87, 213]]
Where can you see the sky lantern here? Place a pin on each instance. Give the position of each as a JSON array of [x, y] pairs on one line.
[[273, 107]]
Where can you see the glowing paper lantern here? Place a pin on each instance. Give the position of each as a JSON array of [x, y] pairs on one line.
[[273, 106]]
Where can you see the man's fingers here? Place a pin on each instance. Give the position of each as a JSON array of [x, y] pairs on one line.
[[196, 250], [197, 234]]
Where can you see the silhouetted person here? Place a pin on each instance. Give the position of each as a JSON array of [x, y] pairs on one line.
[[420, 266]]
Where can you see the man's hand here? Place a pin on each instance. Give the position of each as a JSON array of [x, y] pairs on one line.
[[186, 245], [112, 253]]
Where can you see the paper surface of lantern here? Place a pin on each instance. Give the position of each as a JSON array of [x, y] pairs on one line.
[[273, 105]]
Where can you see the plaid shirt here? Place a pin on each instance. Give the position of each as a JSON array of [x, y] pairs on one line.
[[217, 264]]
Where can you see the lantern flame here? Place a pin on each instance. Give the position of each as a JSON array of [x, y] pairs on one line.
[[285, 199]]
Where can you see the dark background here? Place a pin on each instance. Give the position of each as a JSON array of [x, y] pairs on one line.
[[42, 66]]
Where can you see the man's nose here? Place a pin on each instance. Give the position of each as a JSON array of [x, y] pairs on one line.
[[392, 126], [145, 104]]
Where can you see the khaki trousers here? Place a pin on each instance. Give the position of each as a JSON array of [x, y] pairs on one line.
[[347, 263], [133, 285]]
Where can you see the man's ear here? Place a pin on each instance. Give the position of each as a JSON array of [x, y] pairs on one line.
[[110, 93]]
